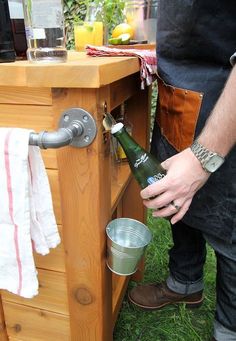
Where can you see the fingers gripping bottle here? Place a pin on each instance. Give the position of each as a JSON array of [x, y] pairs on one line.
[[144, 166]]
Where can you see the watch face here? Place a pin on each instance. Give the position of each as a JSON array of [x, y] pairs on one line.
[[214, 163]]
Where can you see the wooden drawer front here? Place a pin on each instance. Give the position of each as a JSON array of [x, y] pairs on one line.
[[24, 95], [52, 293], [30, 324], [26, 116], [33, 117], [55, 260]]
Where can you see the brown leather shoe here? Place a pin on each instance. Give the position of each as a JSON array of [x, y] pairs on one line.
[[158, 295]]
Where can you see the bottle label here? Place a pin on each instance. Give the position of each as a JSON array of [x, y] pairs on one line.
[[46, 14], [155, 178], [36, 33], [142, 159]]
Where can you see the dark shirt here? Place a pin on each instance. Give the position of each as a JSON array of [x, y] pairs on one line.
[[195, 40]]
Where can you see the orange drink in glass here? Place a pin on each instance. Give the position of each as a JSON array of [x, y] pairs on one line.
[[98, 33], [88, 33], [84, 34]]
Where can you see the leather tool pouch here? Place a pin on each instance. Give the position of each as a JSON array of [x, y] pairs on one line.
[[177, 114]]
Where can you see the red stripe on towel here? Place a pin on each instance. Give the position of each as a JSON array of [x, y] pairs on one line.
[[10, 200]]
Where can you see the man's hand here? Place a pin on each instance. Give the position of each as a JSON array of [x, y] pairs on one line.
[[174, 193]]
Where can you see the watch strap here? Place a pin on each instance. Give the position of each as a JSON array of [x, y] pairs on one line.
[[204, 155]]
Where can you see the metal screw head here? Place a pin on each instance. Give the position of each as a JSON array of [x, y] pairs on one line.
[[66, 117]]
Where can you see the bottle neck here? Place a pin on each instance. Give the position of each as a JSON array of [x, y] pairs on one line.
[[127, 142]]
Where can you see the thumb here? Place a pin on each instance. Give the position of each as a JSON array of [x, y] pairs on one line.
[[166, 164]]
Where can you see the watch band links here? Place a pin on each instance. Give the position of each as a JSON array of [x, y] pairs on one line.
[[209, 160], [201, 153]]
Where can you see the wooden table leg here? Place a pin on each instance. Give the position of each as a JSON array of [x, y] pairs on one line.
[[84, 176]]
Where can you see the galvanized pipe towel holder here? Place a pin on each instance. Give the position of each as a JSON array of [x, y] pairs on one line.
[[77, 128]]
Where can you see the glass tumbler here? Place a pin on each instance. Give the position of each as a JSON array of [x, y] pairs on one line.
[[45, 33], [142, 16]]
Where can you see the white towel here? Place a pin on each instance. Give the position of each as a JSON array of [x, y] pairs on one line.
[[27, 220]]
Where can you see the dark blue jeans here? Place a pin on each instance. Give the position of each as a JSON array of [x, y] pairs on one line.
[[186, 261]]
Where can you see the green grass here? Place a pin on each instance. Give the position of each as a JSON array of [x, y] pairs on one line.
[[171, 323]]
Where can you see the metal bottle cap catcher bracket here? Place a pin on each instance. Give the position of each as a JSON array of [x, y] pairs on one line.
[[77, 128]]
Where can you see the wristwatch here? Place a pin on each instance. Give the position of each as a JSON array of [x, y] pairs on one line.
[[210, 161]]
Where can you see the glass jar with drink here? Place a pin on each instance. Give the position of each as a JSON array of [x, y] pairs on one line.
[[142, 16], [91, 31], [44, 25]]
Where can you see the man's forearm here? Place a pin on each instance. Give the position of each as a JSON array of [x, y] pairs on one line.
[[219, 133]]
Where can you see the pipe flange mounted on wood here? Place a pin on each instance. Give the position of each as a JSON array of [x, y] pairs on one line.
[[84, 121], [77, 128]]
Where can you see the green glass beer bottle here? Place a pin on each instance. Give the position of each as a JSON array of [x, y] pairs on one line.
[[144, 166]]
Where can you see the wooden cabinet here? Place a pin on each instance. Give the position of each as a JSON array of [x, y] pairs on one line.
[[79, 298]]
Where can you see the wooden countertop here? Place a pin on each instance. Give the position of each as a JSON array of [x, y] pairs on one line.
[[80, 71]]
